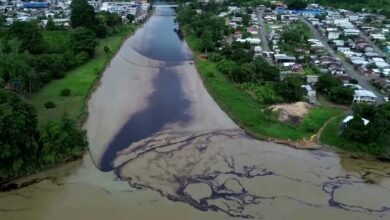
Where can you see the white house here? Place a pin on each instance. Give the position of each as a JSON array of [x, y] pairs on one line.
[[350, 117], [332, 35], [377, 37], [252, 40], [351, 32], [364, 96]]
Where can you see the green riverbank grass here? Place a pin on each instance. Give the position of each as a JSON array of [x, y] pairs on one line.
[[80, 80], [254, 117]]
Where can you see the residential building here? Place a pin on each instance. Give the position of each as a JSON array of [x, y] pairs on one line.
[[364, 96]]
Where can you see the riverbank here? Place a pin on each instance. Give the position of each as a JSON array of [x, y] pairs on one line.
[[81, 81], [311, 133], [252, 116]]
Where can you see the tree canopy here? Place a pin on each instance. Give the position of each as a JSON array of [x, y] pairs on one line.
[[18, 133], [82, 15], [29, 35], [296, 4], [83, 40]]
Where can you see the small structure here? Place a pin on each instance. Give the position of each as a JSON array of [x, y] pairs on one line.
[[351, 32], [312, 79], [350, 117], [36, 5]]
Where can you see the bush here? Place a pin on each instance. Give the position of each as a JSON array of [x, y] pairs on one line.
[[215, 57], [50, 104], [341, 95], [65, 92], [210, 75], [81, 58]]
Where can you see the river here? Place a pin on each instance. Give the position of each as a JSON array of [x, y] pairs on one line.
[[161, 148]]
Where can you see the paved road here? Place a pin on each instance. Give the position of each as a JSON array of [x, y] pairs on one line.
[[263, 32], [350, 70]]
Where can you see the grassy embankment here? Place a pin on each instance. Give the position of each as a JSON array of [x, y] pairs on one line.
[[80, 80], [253, 116]]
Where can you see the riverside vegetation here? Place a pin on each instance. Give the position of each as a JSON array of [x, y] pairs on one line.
[[45, 77], [245, 87]]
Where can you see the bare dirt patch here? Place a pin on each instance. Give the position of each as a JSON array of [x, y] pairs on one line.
[[291, 112]]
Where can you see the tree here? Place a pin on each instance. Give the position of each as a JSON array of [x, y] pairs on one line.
[[246, 19], [356, 130], [83, 40], [379, 126], [18, 134], [295, 34], [29, 35], [207, 41], [61, 140], [364, 110], [15, 45], [15, 69], [291, 89], [51, 26], [110, 19], [297, 5], [327, 81], [2, 20], [226, 67], [82, 15], [341, 95], [130, 18], [264, 71], [353, 81]]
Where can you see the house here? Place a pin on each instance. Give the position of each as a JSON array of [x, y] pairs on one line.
[[364, 96], [332, 35], [350, 117], [353, 18], [338, 43], [281, 58], [358, 60], [344, 78], [377, 37], [253, 40], [387, 49], [351, 32], [258, 49], [343, 49], [311, 79], [36, 5], [310, 93], [326, 60]]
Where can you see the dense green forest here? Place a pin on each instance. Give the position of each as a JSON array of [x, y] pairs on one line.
[[31, 56]]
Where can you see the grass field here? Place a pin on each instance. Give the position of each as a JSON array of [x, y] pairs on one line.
[[254, 117], [80, 80]]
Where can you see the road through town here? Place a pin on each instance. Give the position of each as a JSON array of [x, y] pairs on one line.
[[350, 70]]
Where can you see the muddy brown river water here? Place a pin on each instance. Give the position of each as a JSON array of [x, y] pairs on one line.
[[161, 148]]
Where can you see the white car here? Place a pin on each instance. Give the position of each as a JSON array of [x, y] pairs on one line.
[[386, 99]]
